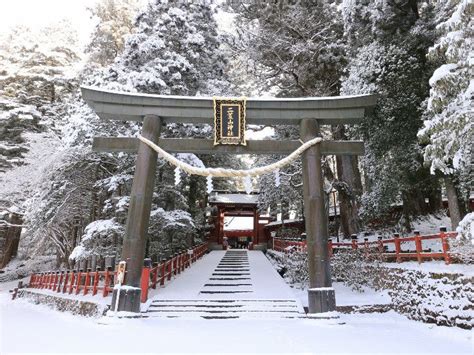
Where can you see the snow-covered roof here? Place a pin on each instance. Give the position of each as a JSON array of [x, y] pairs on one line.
[[234, 199], [286, 221]]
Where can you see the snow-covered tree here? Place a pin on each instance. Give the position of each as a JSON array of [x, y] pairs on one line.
[[448, 130], [388, 44], [296, 49], [174, 50], [62, 205], [115, 22], [101, 238], [36, 77], [463, 246], [299, 50]]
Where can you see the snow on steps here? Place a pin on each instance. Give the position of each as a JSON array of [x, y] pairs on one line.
[[227, 285], [225, 309]]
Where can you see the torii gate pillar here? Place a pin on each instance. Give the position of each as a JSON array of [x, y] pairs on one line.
[[136, 232], [321, 295]]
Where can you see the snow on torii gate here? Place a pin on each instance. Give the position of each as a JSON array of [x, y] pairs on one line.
[[156, 110]]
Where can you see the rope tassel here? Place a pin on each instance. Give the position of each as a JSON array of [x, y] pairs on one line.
[[221, 172], [209, 184]]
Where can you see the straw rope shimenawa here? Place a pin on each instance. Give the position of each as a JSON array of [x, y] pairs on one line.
[[221, 172]]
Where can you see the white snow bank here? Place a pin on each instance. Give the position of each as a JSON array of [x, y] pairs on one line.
[[34, 328]]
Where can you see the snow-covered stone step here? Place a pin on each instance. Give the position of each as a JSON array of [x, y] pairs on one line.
[[225, 309]]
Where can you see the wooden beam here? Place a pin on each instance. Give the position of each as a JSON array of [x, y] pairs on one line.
[[199, 115], [199, 110], [206, 146]]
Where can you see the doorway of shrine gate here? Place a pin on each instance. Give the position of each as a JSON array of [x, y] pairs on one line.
[[234, 217]]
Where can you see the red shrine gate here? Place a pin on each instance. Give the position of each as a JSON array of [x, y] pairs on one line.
[[236, 205]]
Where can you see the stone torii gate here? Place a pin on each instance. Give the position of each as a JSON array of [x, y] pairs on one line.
[[157, 110]]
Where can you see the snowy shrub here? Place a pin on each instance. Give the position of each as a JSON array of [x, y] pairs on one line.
[[288, 233], [101, 238], [170, 232], [462, 248], [355, 268], [296, 265]]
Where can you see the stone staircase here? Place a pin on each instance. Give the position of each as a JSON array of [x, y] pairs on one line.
[[225, 309], [233, 289]]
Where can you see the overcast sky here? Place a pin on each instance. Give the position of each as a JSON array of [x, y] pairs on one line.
[[37, 13]]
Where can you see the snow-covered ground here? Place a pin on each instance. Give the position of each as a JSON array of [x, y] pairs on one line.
[[347, 297], [35, 328], [25, 327]]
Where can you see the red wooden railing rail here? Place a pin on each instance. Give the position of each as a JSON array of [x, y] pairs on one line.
[[379, 246], [102, 282]]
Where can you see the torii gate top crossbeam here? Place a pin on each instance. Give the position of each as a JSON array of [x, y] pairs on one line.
[[263, 111]]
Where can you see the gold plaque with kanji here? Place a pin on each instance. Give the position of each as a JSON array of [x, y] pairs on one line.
[[229, 121]]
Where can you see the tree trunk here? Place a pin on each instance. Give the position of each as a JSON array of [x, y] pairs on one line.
[[351, 188], [453, 203]]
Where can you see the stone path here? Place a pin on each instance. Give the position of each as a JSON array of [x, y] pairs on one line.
[[227, 284]]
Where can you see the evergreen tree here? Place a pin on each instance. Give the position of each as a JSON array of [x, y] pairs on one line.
[[173, 49], [448, 130], [115, 23], [299, 50], [389, 41]]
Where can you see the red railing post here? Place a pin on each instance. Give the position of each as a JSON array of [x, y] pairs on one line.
[[54, 276], [366, 247], [79, 279], [398, 249], [61, 277], [380, 245], [96, 280], [106, 281], [175, 263], [46, 279], [330, 252], [55, 280], [145, 280], [71, 285], [162, 272], [418, 246], [50, 279], [155, 275], [354, 241], [445, 245], [169, 268], [87, 281], [66, 279]]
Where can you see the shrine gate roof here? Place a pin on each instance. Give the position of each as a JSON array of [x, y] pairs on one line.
[[234, 199]]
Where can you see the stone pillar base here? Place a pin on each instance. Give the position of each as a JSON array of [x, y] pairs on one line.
[[129, 300], [321, 300]]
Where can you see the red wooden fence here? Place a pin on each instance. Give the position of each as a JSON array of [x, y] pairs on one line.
[[379, 246], [102, 282]]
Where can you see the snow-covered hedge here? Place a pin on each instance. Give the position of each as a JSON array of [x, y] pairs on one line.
[[441, 298], [444, 299]]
